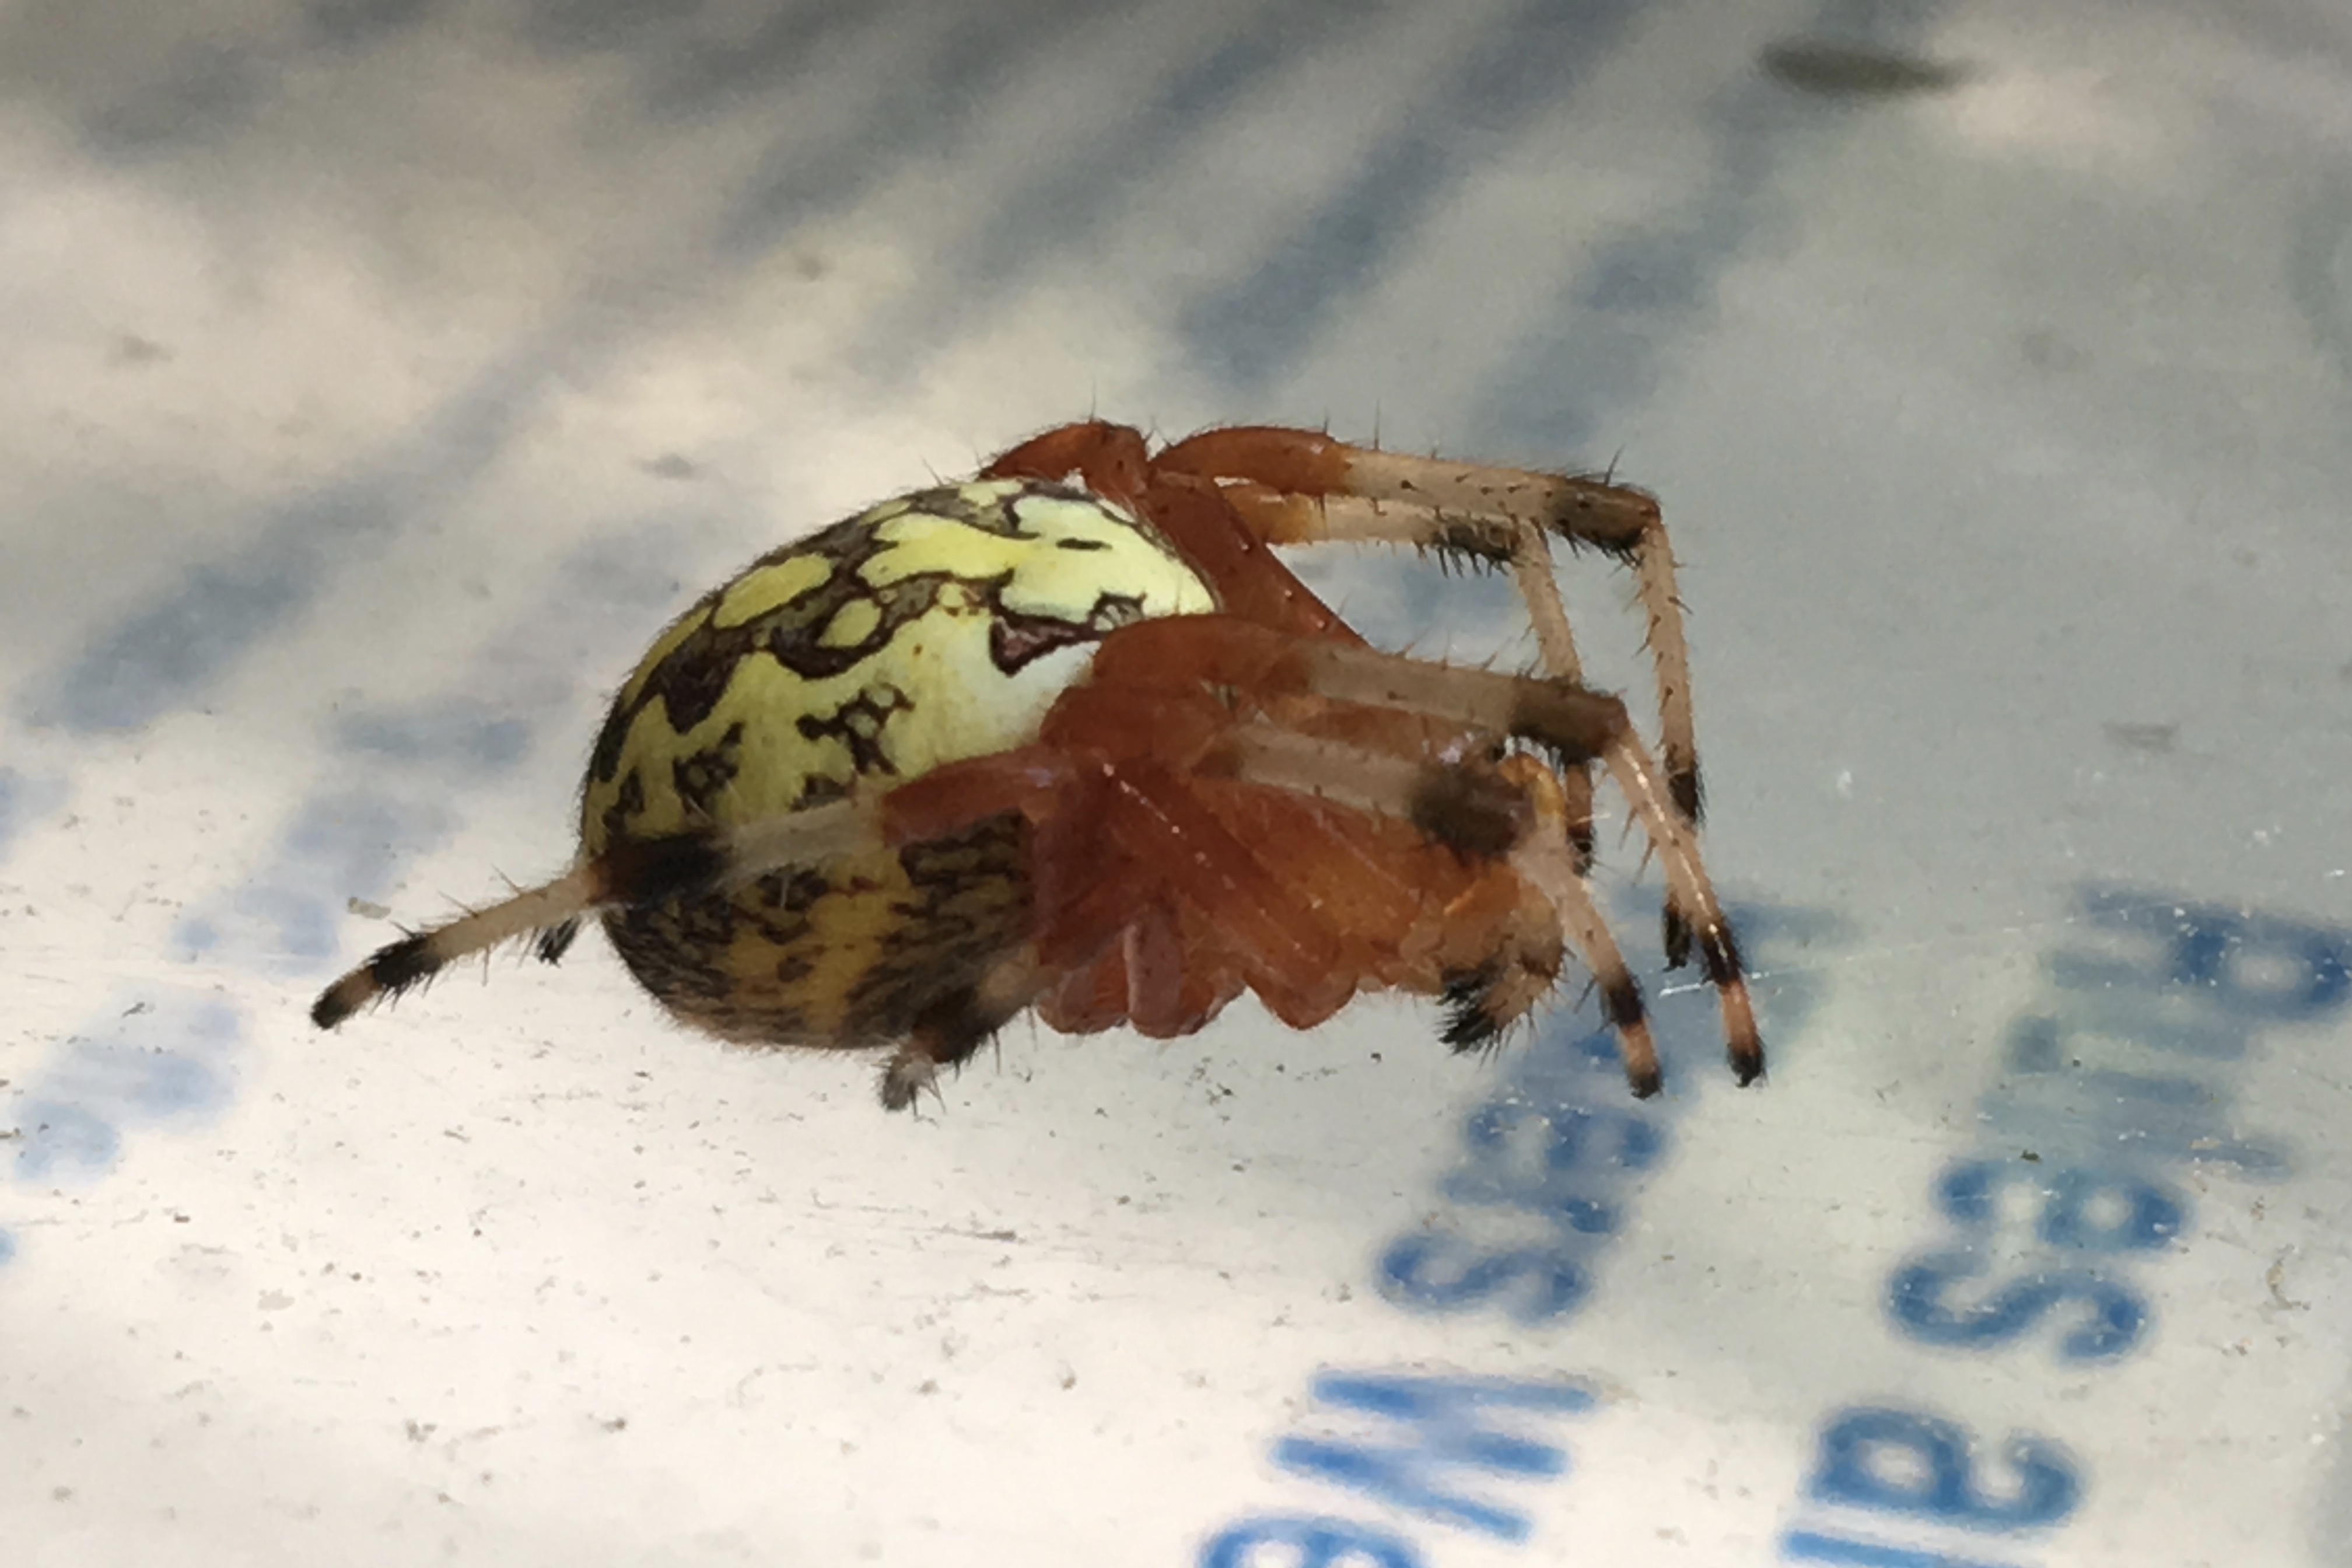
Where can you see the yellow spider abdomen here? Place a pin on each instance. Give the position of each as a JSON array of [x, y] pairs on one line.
[[933, 628]]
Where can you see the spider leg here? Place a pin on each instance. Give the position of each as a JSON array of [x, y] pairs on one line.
[[1113, 460], [1561, 876], [1573, 724], [1298, 486], [638, 872], [419, 956], [1516, 815], [954, 1029]]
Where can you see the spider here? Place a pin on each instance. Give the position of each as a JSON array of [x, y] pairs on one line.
[[1068, 737]]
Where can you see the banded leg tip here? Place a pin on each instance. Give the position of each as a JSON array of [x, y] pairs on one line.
[[1748, 1062], [1621, 996], [340, 1000], [393, 970]]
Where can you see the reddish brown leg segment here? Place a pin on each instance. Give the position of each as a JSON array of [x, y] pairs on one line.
[[1298, 487]]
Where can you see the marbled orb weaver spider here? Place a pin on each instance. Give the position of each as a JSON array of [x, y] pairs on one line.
[[1069, 737]]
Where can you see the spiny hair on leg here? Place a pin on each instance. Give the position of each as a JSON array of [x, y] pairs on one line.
[[549, 913], [957, 1025], [1483, 1005], [1469, 1025], [1473, 547], [630, 872], [556, 941]]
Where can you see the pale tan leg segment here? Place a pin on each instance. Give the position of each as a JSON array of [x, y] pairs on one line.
[[636, 873], [1691, 905], [1357, 494], [1547, 861], [1583, 511]]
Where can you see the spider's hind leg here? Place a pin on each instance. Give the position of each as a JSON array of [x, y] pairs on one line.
[[913, 1070], [545, 912], [641, 871]]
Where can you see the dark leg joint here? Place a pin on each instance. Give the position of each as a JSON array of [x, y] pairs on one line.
[[1617, 532], [1688, 798], [651, 870], [1567, 721], [1723, 957], [1621, 1000], [1677, 935], [1476, 813], [1475, 541]]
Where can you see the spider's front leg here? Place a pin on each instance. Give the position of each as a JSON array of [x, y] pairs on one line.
[[1297, 487], [1300, 487]]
